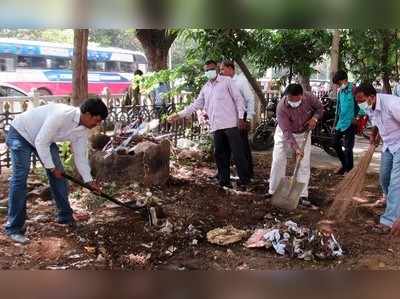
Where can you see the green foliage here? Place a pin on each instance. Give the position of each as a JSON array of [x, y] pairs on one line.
[[293, 49], [122, 38], [365, 55], [46, 35], [67, 157], [185, 77]]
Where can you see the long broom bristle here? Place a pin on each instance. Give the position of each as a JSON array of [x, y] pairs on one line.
[[351, 186]]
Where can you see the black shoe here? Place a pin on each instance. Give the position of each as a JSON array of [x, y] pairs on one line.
[[226, 185], [71, 224], [268, 195]]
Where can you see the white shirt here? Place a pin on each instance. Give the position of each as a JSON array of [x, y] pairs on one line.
[[245, 90], [52, 123], [386, 117]]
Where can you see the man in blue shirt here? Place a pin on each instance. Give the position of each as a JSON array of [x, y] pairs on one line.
[[345, 130]]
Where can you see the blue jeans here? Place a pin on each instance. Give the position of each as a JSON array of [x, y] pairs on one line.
[[390, 182], [21, 151]]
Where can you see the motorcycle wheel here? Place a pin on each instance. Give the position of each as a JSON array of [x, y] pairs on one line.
[[262, 140]]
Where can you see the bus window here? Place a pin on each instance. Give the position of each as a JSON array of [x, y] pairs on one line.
[[7, 64], [96, 66], [127, 67], [112, 66], [60, 63], [31, 62]]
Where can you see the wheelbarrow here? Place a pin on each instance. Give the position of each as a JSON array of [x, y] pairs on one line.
[[149, 213], [287, 195]]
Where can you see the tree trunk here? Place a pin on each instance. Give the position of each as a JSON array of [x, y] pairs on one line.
[[385, 60], [305, 82], [335, 54], [253, 82], [80, 67], [290, 74], [156, 44]]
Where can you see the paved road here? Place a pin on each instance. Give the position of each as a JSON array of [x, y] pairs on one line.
[[321, 159]]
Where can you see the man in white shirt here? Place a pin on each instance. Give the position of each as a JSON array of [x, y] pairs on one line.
[[37, 131], [227, 68]]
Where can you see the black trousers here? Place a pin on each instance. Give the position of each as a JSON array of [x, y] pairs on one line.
[[247, 151], [345, 139], [227, 142]]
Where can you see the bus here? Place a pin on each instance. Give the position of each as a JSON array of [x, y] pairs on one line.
[[46, 67]]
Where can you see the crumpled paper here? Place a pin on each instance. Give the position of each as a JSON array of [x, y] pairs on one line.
[[296, 242]]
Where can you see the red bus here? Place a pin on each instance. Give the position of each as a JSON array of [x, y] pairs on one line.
[[47, 67]]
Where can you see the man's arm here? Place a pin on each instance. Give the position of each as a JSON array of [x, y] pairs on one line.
[[45, 138], [249, 98], [79, 149], [237, 98], [198, 104]]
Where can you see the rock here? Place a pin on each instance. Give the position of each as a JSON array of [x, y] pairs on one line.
[[149, 166], [187, 154]]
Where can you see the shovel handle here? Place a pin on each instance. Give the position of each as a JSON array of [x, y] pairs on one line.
[[106, 196], [298, 160]]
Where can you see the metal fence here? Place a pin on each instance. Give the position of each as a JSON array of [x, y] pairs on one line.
[[118, 113]]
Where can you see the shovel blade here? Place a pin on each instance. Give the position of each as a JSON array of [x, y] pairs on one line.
[[287, 194]]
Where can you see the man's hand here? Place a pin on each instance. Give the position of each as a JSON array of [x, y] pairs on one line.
[[242, 125], [95, 187], [57, 173], [299, 153], [395, 232], [312, 123], [173, 118], [375, 139]]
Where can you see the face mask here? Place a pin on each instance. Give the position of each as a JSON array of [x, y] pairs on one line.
[[364, 106], [294, 104], [211, 74], [343, 86]]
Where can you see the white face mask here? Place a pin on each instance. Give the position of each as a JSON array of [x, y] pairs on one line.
[[343, 86], [211, 74], [364, 106], [294, 104]]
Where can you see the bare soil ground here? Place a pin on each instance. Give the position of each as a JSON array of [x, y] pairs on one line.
[[114, 238]]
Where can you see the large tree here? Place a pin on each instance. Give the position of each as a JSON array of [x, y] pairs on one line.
[[371, 54], [80, 67], [156, 44], [295, 50], [234, 44]]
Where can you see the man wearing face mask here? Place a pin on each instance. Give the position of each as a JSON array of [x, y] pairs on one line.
[[227, 68], [345, 122], [225, 109], [384, 113], [296, 113]]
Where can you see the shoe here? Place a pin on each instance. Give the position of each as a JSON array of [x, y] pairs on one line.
[[268, 195], [19, 238], [229, 186], [305, 202], [69, 224]]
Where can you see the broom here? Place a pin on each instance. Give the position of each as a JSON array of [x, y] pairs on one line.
[[351, 186]]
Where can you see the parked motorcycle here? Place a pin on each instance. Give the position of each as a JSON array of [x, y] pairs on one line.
[[322, 135]]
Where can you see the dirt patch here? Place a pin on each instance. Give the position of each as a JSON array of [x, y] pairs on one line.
[[114, 238]]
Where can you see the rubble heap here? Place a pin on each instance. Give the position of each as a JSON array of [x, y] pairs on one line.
[[132, 154]]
